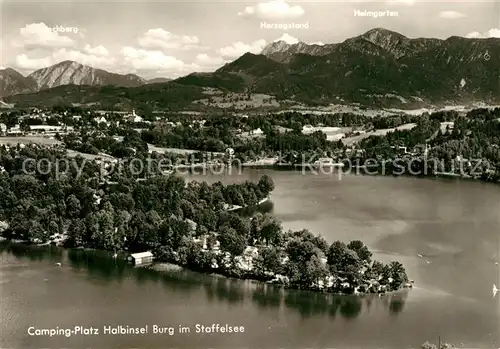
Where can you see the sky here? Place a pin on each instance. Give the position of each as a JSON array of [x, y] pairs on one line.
[[165, 38]]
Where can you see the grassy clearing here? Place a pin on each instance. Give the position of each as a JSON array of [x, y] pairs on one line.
[[90, 157], [382, 132], [28, 139], [175, 150]]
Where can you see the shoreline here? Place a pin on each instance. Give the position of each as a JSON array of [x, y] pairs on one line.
[[231, 271], [235, 208], [170, 266], [339, 166], [163, 266], [240, 251]]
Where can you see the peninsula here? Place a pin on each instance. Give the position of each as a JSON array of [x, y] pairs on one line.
[[188, 224]]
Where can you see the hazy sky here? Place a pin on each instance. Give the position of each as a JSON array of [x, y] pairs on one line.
[[169, 39]]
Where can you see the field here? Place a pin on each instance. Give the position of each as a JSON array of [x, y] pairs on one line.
[[90, 157], [152, 148], [28, 140], [47, 141], [240, 101], [382, 132], [174, 150]]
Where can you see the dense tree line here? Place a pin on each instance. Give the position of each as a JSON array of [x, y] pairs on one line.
[[296, 120], [469, 147], [180, 222], [210, 139], [92, 142], [474, 136], [40, 203]]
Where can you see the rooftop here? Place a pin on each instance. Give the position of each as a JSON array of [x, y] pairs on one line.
[[142, 254]]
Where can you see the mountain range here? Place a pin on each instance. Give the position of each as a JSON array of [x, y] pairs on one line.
[[377, 68], [66, 73], [378, 63]]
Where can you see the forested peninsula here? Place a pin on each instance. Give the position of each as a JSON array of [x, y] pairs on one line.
[[186, 223]]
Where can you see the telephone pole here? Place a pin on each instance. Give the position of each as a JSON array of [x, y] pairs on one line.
[[439, 342]]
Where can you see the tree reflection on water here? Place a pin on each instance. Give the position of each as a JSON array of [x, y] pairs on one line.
[[100, 266], [33, 253]]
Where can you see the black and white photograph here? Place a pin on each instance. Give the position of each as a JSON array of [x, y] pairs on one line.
[[234, 174]]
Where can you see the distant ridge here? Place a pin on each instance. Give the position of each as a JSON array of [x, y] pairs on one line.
[[62, 73], [379, 68], [158, 80], [69, 72]]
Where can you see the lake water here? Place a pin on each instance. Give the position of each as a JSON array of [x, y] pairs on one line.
[[454, 225]]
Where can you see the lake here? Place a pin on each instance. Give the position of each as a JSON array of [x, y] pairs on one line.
[[445, 232]]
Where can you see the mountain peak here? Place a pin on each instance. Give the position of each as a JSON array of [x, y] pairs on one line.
[[378, 39], [10, 71], [383, 37], [276, 47], [382, 32], [71, 72], [12, 81], [68, 63]]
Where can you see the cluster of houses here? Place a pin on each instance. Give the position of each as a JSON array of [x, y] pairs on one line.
[[130, 117], [34, 130], [44, 129]]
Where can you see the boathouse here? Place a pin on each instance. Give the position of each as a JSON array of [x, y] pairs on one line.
[[141, 258]]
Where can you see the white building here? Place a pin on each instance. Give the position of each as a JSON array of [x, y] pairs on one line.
[[134, 117], [101, 120], [141, 258], [14, 131], [50, 129]]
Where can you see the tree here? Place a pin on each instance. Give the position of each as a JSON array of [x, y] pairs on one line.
[[211, 241], [255, 226], [271, 230], [195, 257], [122, 201], [73, 206], [231, 241], [153, 218], [187, 209], [361, 250], [293, 272], [103, 236], [235, 221], [335, 255], [353, 275], [301, 251], [25, 185], [349, 262], [265, 229], [172, 231], [270, 259], [25, 127], [321, 244], [375, 270], [76, 231], [314, 272], [36, 231], [207, 218], [398, 274], [266, 185]]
